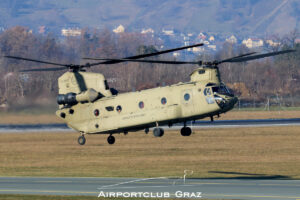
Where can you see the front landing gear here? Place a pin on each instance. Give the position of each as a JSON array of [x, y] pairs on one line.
[[111, 139], [81, 140], [158, 132], [186, 131]]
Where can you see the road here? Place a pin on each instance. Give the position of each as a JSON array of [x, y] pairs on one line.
[[23, 128], [242, 188]]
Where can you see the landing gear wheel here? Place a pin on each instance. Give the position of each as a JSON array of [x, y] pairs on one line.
[[111, 139], [186, 131], [158, 132], [81, 140]]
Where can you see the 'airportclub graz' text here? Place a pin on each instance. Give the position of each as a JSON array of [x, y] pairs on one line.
[[177, 194]]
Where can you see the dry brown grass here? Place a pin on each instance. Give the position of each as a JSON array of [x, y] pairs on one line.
[[51, 118], [261, 152], [28, 118]]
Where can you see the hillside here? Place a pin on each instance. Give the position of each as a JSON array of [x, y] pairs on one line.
[[235, 16]]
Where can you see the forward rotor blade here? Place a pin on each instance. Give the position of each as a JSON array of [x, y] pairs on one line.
[[243, 59], [143, 55], [148, 61], [43, 69], [33, 60], [240, 56]]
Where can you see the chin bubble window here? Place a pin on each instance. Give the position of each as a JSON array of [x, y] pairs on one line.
[[141, 105]]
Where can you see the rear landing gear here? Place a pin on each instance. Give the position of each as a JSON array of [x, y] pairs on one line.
[[111, 139], [186, 131], [81, 140]]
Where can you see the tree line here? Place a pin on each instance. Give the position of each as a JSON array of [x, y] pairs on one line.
[[255, 80]]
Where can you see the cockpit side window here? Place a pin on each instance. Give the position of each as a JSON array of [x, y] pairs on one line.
[[222, 89]]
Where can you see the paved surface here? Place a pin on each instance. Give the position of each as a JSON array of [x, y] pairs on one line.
[[248, 188], [23, 128]]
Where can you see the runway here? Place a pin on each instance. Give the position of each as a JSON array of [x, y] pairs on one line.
[[23, 128], [243, 188]]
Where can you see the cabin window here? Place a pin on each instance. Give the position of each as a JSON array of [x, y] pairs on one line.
[[186, 96], [96, 112], [163, 101], [141, 105], [109, 108], [119, 109]]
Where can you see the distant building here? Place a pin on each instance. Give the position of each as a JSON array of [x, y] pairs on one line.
[[211, 38], [201, 36], [197, 49], [253, 43], [147, 31], [297, 41], [119, 29], [232, 39], [272, 43], [42, 29], [186, 38], [206, 42], [168, 32], [213, 47], [71, 32], [176, 54]]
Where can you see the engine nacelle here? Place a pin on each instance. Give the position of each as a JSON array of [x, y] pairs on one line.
[[89, 95]]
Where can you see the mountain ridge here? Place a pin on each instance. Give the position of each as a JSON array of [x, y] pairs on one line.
[[234, 16]]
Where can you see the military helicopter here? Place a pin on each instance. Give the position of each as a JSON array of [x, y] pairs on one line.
[[88, 105]]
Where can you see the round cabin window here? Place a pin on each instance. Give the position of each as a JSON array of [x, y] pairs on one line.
[[96, 112], [141, 105], [163, 101], [119, 109], [187, 96]]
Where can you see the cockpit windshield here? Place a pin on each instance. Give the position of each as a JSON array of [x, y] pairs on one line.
[[222, 89]]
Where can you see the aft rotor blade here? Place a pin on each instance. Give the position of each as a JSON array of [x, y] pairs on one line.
[[33, 60], [43, 69], [148, 61], [145, 55], [243, 59]]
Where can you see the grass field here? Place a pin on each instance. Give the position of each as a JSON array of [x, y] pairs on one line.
[[240, 152], [25, 118]]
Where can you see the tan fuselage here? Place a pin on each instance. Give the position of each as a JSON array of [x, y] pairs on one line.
[[148, 108]]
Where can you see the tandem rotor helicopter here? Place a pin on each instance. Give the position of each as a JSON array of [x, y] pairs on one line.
[[88, 105]]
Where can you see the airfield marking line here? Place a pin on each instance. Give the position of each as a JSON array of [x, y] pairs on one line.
[[242, 126], [132, 181], [278, 184], [53, 181], [251, 196], [47, 191], [135, 187]]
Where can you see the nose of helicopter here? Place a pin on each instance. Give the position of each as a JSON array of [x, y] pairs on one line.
[[226, 103]]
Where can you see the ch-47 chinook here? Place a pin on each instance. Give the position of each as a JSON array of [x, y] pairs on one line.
[[88, 105]]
